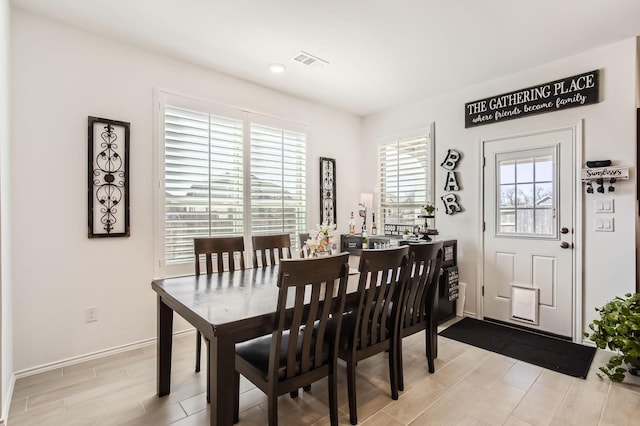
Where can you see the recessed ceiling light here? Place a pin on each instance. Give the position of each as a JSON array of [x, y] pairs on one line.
[[277, 68]]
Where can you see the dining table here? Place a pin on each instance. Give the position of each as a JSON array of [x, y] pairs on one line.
[[227, 308]]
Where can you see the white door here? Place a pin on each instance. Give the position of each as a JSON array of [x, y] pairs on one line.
[[528, 233]]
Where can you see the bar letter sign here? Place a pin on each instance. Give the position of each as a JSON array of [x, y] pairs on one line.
[[569, 92]]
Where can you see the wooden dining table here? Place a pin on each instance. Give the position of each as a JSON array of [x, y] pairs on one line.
[[227, 308]]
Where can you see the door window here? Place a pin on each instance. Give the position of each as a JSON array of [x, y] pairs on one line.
[[526, 199]]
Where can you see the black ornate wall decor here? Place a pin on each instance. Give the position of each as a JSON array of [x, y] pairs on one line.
[[108, 193], [327, 191]]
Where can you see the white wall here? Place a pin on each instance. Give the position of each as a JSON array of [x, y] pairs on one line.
[[609, 133], [60, 76], [6, 336]]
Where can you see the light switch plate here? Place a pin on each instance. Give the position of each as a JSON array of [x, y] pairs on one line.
[[603, 205], [604, 224]]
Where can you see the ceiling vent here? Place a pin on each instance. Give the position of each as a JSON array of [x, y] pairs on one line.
[[310, 60]]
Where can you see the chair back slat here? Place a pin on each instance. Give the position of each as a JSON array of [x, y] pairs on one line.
[[220, 247], [316, 288], [382, 274], [422, 283], [271, 247]]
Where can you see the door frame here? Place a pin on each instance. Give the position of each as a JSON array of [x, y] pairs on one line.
[[577, 130]]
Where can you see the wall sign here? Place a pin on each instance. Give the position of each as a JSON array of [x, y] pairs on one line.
[[569, 92], [450, 200]]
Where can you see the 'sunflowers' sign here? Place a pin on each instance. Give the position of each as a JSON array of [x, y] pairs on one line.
[[569, 92]]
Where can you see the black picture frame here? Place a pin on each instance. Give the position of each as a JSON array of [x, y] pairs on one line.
[[108, 178], [328, 212]]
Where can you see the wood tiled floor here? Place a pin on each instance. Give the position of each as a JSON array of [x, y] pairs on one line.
[[470, 387]]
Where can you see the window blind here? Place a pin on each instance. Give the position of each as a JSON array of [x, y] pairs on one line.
[[278, 181], [225, 172], [203, 179], [404, 168]]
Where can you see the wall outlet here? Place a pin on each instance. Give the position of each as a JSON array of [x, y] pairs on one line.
[[91, 314]]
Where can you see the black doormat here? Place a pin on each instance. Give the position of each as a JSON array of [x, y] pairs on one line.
[[547, 352]]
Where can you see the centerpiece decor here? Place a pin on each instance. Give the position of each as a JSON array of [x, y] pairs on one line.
[[321, 241]]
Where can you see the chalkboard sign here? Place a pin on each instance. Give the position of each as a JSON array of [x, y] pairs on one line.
[[452, 282]]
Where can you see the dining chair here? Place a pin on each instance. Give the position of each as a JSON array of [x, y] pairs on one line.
[[303, 237], [371, 325], [418, 300], [302, 347], [271, 247], [221, 248]]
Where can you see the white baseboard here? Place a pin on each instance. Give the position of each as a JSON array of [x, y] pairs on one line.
[[71, 361], [6, 404], [90, 356]]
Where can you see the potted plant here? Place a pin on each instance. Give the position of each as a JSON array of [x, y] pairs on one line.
[[429, 209], [405, 234], [619, 330]]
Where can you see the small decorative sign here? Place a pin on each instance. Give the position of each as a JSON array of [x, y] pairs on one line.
[[452, 283], [605, 173], [569, 92], [108, 178], [393, 229]]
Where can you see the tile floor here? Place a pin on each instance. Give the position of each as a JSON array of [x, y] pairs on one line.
[[470, 387]]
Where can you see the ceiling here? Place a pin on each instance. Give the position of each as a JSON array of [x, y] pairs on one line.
[[381, 53]]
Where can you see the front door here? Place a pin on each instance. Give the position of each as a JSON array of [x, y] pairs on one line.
[[528, 231]]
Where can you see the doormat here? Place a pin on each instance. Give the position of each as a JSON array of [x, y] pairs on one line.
[[547, 352]]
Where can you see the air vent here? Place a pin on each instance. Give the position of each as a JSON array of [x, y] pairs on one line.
[[310, 60]]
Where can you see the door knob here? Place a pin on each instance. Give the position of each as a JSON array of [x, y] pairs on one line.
[[564, 231], [564, 245]]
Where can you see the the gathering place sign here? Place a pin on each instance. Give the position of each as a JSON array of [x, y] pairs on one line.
[[569, 92]]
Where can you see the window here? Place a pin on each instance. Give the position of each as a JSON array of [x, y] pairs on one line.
[[226, 172], [526, 196], [405, 179]]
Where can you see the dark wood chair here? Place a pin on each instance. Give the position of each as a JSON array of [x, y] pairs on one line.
[[302, 347], [271, 247], [372, 324], [418, 300], [221, 248], [303, 240]]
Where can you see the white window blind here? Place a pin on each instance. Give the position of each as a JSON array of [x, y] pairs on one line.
[[224, 172], [203, 179], [278, 181], [405, 167]]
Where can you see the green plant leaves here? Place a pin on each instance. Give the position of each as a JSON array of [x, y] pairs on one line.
[[619, 330]]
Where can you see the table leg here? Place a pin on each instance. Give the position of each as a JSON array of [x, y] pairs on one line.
[[165, 340], [221, 379]]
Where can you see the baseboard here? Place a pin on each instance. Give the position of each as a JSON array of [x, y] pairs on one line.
[[469, 314], [88, 357], [6, 404]]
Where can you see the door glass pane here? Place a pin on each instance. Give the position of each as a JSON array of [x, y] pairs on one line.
[[525, 195], [524, 170], [544, 221], [526, 198], [524, 221], [544, 195], [507, 172], [544, 169], [507, 196]]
